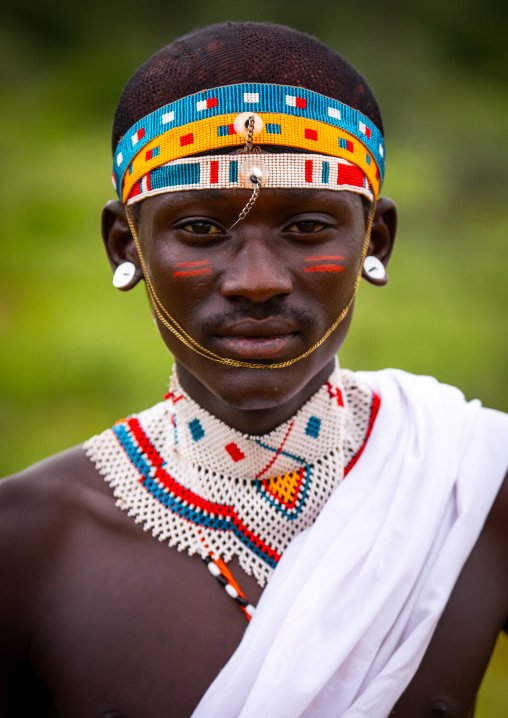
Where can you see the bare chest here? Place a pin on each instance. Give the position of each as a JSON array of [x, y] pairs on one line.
[[130, 627]]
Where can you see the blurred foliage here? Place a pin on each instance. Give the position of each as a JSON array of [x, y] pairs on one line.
[[76, 354]]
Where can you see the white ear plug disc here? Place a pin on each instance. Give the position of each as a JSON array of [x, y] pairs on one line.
[[374, 268], [124, 274]]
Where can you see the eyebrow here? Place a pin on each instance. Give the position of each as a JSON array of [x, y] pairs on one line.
[[295, 195]]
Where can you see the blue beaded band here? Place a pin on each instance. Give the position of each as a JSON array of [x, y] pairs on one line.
[[247, 97]]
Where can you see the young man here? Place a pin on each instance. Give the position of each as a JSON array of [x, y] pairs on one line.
[[248, 160]]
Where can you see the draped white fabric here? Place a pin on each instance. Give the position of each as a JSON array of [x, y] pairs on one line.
[[354, 601]]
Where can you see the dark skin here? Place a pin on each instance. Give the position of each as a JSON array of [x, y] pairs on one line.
[[98, 619], [257, 274]]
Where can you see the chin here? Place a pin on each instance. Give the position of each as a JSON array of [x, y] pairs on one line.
[[254, 389], [259, 389]]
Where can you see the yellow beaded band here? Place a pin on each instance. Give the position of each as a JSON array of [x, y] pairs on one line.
[[286, 116], [278, 129]]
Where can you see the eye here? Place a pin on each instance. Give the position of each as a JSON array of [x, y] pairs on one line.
[[306, 227], [201, 227]]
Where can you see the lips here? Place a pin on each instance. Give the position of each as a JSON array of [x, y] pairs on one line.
[[251, 339]]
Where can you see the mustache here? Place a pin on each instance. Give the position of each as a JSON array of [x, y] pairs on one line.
[[271, 309]]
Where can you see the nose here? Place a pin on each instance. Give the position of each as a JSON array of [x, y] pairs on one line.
[[257, 273]]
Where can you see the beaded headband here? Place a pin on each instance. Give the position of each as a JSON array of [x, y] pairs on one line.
[[149, 158], [235, 172]]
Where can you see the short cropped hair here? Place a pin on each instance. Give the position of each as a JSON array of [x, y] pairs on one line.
[[237, 52]]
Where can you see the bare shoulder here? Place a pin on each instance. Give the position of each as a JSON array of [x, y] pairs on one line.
[[38, 507], [41, 496]]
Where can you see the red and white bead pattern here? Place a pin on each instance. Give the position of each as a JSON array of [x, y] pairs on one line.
[[276, 484]]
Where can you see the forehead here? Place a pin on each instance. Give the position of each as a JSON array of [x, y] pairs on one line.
[[278, 202]]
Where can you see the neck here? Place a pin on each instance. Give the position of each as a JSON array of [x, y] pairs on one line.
[[254, 422]]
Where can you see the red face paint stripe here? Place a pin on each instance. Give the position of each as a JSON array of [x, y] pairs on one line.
[[191, 264], [320, 259], [324, 268], [191, 273]]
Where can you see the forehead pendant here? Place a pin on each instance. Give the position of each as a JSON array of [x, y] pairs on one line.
[[248, 126]]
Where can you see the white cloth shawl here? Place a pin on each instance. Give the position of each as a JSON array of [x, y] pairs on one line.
[[350, 610]]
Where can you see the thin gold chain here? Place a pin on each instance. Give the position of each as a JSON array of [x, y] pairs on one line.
[[247, 149], [250, 134], [245, 211], [186, 339]]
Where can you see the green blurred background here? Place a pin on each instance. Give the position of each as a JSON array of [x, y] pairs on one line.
[[77, 354]]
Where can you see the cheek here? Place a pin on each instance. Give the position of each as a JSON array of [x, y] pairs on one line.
[[183, 288], [180, 278], [329, 279], [187, 293]]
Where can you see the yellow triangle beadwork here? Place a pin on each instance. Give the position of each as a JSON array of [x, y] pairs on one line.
[[285, 488]]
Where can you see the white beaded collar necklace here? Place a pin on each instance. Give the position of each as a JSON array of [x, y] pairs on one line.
[[208, 489]]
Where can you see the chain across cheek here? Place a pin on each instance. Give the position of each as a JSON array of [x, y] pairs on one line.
[[189, 270]]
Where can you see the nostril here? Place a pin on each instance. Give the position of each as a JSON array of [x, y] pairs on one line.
[[256, 279]]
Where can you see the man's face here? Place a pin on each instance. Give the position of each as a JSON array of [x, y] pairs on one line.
[[265, 292]]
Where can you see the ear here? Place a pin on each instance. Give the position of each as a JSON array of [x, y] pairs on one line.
[[382, 236], [118, 240]]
